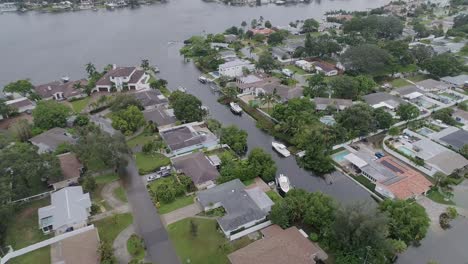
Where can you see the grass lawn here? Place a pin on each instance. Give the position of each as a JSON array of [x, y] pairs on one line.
[[41, 255], [178, 203], [438, 197], [81, 104], [208, 247], [296, 69], [23, 230], [109, 228], [248, 182], [274, 196], [100, 182], [141, 139], [120, 194], [364, 181], [399, 83], [149, 163], [135, 247], [418, 78]]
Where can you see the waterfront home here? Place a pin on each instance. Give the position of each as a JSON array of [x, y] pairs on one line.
[[326, 68], [228, 55], [244, 208], [150, 99], [325, 26], [219, 45], [393, 179], [188, 137], [230, 38], [382, 99], [61, 90], [21, 105], [435, 156], [8, 7], [284, 92], [278, 246], [235, 68], [198, 167], [460, 81], [78, 249], [162, 116], [321, 103], [431, 85], [71, 169], [123, 78], [248, 84], [262, 31], [49, 140], [70, 209]]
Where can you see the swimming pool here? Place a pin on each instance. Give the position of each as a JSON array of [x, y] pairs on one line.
[[339, 157], [406, 151]]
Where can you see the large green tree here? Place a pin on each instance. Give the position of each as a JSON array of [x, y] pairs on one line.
[[408, 221], [367, 59], [310, 25], [261, 164], [23, 87], [187, 108], [50, 114], [443, 65], [128, 120], [407, 111], [266, 62], [358, 120], [236, 138]]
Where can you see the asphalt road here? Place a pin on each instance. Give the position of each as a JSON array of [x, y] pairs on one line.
[[146, 219]]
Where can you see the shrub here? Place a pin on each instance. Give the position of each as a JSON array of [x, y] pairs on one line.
[[314, 237]]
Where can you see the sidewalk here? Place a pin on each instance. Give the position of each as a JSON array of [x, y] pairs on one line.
[[179, 214]]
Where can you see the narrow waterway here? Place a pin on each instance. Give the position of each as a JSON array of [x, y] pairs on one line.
[[44, 47]]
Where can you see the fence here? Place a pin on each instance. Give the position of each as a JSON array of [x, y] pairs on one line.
[[34, 197], [250, 230]]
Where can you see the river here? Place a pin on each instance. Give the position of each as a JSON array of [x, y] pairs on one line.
[[44, 47]]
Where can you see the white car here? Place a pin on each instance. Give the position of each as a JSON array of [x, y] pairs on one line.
[[287, 72]]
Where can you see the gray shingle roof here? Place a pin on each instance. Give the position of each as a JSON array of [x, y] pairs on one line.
[[160, 115], [456, 139], [197, 167], [181, 137], [52, 138], [150, 97], [240, 207], [68, 206], [375, 98]]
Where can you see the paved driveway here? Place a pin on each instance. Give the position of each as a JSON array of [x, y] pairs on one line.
[[181, 213], [146, 219]]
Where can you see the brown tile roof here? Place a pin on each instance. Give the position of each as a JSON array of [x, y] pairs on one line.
[[410, 181], [78, 249], [197, 167], [136, 76], [70, 166], [279, 247], [117, 72], [20, 103], [49, 89], [328, 67]]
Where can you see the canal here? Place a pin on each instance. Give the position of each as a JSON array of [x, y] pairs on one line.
[[44, 47]]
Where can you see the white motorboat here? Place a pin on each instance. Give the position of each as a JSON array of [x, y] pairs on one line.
[[280, 2], [282, 183], [281, 149], [235, 108], [202, 79], [182, 89]]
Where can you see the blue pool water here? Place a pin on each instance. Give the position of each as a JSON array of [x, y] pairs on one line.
[[339, 157], [407, 151]]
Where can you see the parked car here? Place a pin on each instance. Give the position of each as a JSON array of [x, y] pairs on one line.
[[287, 72], [379, 155], [164, 171], [153, 177]]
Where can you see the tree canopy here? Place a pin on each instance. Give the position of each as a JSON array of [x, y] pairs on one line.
[[50, 114], [236, 139], [367, 59], [23, 87], [374, 26], [261, 164], [128, 120], [187, 108], [443, 65], [407, 111]]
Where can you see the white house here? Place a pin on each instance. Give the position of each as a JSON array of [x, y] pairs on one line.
[[21, 104], [305, 65], [123, 78], [235, 68]]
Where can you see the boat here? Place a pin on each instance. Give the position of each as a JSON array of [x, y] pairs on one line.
[[235, 108], [65, 79], [155, 69], [281, 149], [182, 89], [280, 2], [202, 79], [282, 183]]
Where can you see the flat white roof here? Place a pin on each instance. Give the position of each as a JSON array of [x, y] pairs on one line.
[[413, 95], [358, 162]]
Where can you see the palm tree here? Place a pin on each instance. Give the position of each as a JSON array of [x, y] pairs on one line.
[[269, 98], [90, 69], [77, 86]]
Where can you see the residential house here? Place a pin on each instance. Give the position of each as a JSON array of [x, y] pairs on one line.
[[244, 209], [235, 68], [69, 210], [278, 246], [452, 137], [123, 78], [248, 84], [381, 99], [228, 55], [460, 81], [284, 92], [281, 54], [49, 140], [61, 90], [78, 249], [219, 45], [322, 103], [431, 85], [435, 156], [262, 31], [409, 92], [198, 167], [71, 169], [325, 26], [461, 116], [305, 65], [21, 105], [161, 116], [8, 7], [230, 38], [188, 137], [150, 99], [326, 68], [393, 179]]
